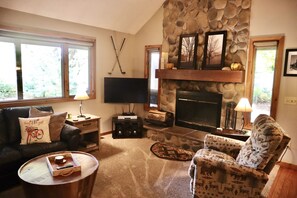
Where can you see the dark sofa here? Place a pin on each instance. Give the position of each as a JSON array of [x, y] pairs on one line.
[[13, 155]]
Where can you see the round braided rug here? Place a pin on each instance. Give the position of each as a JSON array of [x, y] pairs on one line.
[[166, 151]]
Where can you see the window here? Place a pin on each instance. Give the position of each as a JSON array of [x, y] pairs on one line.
[[264, 72], [40, 71], [35, 69], [152, 62], [78, 69]]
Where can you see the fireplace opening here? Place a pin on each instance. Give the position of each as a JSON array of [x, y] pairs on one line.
[[198, 110]]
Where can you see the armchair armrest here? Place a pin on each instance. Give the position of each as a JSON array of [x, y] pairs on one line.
[[229, 167], [226, 145], [71, 135]]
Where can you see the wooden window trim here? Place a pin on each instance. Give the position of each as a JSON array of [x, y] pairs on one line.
[[277, 72]]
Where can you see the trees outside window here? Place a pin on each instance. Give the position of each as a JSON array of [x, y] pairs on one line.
[[43, 69]]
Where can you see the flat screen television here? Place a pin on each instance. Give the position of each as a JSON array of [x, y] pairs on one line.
[[125, 90]]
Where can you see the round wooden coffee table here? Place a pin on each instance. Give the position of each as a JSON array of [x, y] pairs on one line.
[[37, 180]]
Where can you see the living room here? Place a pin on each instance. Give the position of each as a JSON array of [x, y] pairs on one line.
[[266, 18]]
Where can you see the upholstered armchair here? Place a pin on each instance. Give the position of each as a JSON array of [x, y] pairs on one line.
[[232, 168]]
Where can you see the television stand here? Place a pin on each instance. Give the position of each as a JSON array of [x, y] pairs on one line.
[[127, 128]]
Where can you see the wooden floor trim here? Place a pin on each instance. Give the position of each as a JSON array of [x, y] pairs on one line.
[[287, 165], [285, 182], [106, 133]]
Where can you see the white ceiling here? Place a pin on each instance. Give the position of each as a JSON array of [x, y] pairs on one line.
[[126, 16]]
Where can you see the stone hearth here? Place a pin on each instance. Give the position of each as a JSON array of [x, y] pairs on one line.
[[185, 138]]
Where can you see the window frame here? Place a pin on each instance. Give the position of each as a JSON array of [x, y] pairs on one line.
[[280, 39], [147, 73], [66, 40]]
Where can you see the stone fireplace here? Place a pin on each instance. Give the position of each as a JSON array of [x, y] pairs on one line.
[[201, 16], [198, 110], [229, 92]]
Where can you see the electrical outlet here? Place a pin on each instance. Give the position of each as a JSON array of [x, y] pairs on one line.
[[291, 100]]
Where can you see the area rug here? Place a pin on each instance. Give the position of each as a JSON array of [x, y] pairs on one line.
[[166, 151]]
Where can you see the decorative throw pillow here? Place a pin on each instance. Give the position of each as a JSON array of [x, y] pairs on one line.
[[35, 130], [56, 123], [34, 112]]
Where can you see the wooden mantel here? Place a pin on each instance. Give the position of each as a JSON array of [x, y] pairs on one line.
[[201, 75]]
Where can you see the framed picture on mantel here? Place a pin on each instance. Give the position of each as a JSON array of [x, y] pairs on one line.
[[187, 53], [214, 50]]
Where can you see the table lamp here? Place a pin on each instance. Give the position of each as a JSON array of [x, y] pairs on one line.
[[243, 106], [81, 95]]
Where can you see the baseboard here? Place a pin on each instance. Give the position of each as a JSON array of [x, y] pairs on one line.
[[106, 133], [287, 165]]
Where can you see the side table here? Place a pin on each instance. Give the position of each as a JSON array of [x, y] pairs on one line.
[[37, 180], [90, 131]]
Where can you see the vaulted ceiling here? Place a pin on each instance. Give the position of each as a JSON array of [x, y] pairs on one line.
[[126, 16]]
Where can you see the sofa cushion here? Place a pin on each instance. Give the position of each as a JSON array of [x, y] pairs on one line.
[[9, 155], [32, 150], [56, 124], [260, 147], [35, 130], [3, 131], [34, 112], [11, 117]]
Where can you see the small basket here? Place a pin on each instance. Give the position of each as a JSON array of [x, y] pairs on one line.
[[70, 165]]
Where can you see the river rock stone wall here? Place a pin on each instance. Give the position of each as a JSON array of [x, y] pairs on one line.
[[201, 16]]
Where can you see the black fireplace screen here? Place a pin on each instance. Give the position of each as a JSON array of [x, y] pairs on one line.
[[198, 110]]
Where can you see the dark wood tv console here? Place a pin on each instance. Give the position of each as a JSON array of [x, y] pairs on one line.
[[127, 128]]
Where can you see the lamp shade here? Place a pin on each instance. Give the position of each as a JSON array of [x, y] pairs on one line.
[[243, 105], [81, 95]]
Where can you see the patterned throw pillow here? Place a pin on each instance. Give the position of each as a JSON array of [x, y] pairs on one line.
[[56, 123], [260, 147], [35, 130]]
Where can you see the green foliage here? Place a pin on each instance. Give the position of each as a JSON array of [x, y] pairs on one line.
[[261, 95], [7, 91]]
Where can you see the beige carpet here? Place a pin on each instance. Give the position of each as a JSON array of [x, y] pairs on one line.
[[129, 169]]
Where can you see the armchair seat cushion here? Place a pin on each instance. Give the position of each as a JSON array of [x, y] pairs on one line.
[[209, 155]]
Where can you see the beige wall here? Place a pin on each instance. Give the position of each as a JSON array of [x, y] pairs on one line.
[[270, 17], [150, 34]]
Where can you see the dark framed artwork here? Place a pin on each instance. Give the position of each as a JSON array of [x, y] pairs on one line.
[[187, 52], [291, 63], [214, 50]]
